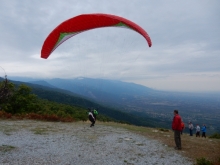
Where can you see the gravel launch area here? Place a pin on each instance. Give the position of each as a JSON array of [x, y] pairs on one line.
[[29, 142]]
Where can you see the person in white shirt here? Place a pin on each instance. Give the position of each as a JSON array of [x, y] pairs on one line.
[[190, 128], [197, 130]]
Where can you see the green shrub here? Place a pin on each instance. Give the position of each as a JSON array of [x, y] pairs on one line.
[[61, 113], [203, 161], [163, 130], [215, 135]]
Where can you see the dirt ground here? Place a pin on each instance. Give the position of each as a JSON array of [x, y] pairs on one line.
[[192, 147], [24, 142]]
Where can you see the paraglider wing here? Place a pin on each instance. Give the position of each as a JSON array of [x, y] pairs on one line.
[[85, 22]]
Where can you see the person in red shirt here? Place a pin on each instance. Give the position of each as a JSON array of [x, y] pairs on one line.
[[177, 128]]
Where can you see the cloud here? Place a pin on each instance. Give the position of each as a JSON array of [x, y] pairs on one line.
[[185, 38]]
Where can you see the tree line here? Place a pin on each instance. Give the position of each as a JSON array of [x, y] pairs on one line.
[[22, 103]]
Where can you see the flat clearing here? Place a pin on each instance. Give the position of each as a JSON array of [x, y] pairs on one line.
[[38, 142]]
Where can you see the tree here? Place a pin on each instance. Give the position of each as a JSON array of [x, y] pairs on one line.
[[6, 90], [22, 101]]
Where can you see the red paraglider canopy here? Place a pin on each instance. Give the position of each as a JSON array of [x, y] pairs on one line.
[[85, 22]]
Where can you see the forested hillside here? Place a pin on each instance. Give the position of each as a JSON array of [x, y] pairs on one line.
[[62, 105]]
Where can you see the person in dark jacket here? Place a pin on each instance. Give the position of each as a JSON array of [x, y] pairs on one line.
[[177, 128], [91, 118], [204, 131]]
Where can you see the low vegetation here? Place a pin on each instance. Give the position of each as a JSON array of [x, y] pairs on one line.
[[6, 148], [215, 136], [23, 104], [203, 161]]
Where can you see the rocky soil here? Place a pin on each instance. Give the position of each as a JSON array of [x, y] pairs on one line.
[[28, 142]]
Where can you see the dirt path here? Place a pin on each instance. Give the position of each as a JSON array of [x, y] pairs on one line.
[[28, 142]]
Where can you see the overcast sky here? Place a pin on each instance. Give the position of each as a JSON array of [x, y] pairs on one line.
[[185, 52]]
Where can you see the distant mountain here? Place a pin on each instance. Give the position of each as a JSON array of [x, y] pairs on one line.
[[111, 92], [114, 87], [46, 86], [23, 79], [43, 83]]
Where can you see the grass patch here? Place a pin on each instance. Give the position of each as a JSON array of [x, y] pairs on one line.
[[203, 161], [7, 130], [6, 148], [163, 130], [40, 131], [215, 136]]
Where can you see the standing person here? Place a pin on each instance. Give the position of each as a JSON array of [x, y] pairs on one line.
[[204, 130], [91, 117], [183, 127], [197, 130], [95, 113], [190, 128], [176, 126]]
